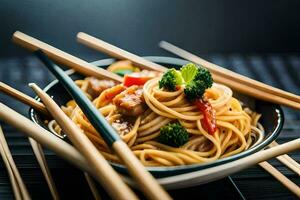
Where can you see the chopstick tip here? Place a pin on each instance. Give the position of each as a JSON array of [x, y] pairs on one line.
[[161, 43], [31, 85], [79, 34], [16, 35]]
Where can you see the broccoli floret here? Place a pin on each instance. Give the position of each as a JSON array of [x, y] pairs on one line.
[[195, 89], [173, 134], [170, 80], [197, 79]]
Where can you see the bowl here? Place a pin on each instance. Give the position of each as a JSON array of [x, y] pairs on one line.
[[272, 120]]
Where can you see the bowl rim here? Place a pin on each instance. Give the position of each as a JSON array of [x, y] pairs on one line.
[[176, 170]]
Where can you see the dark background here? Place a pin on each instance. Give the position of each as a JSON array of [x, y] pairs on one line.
[[209, 26]]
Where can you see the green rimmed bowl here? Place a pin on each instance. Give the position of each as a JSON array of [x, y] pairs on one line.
[[272, 120]]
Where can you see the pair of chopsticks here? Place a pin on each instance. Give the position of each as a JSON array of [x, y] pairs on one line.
[[290, 163], [237, 81], [18, 186], [37, 147], [145, 180]]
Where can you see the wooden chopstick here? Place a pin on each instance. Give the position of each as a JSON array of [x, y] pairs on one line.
[[215, 69], [44, 137], [72, 155], [92, 186], [110, 180], [13, 181], [40, 156], [23, 98], [37, 149], [6, 154], [116, 52], [287, 160], [236, 85], [62, 57], [281, 178], [15, 186], [146, 181]]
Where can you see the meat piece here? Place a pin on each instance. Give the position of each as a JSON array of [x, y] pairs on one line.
[[123, 127], [131, 101], [96, 86]]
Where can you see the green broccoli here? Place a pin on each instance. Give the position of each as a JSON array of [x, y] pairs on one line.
[[170, 80], [197, 80], [173, 134], [194, 89]]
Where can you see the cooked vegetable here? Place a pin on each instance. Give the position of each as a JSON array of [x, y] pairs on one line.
[[197, 79], [123, 65], [139, 78], [123, 72], [209, 116], [171, 79], [192, 72], [173, 134], [194, 89]]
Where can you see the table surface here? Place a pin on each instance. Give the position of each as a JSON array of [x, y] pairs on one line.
[[280, 70]]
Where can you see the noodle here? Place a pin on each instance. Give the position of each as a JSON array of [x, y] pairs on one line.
[[238, 128]]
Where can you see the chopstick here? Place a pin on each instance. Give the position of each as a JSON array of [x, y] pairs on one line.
[[72, 155], [110, 180], [44, 137], [19, 188], [146, 181], [62, 57], [281, 178], [37, 149], [139, 61], [23, 98], [92, 186], [116, 52], [215, 69], [12, 178], [287, 160], [40, 156]]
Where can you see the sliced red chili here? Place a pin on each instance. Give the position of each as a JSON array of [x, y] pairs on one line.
[[209, 116], [134, 80]]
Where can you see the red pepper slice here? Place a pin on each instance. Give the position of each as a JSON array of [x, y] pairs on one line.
[[133, 80], [209, 116], [138, 78]]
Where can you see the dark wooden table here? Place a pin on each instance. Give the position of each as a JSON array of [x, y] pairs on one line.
[[278, 70]]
